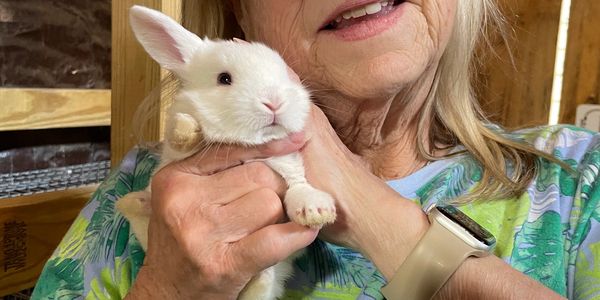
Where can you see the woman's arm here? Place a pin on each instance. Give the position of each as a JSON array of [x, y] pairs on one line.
[[491, 278], [477, 278]]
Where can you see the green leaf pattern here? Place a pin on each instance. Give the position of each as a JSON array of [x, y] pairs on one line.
[[551, 232]]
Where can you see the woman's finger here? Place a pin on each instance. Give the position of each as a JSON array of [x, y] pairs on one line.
[[185, 192], [249, 213], [270, 245], [220, 158], [247, 177]]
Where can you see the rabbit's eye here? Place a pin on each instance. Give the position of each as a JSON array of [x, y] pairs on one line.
[[224, 78]]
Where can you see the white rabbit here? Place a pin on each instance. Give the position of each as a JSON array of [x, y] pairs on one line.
[[231, 92]]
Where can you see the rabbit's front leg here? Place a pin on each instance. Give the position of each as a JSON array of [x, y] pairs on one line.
[[183, 132], [304, 204]]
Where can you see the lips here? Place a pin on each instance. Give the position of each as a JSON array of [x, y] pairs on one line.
[[358, 12]]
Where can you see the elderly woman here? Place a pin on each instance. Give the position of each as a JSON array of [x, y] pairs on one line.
[[398, 129]]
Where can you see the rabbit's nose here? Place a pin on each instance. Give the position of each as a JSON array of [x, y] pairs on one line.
[[273, 105]]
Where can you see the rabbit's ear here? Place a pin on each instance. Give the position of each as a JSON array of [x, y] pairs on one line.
[[171, 45]]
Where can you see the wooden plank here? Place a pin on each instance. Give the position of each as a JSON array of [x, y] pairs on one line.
[[25, 108], [519, 95], [134, 76], [30, 229], [581, 83]]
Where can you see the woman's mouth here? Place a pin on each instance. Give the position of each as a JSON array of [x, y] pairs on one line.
[[363, 20], [365, 13]]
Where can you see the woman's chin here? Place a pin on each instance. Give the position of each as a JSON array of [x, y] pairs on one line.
[[382, 86], [378, 68]]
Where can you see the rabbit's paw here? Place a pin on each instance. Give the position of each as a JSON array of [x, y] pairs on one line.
[[185, 132], [135, 207], [135, 204], [308, 206]]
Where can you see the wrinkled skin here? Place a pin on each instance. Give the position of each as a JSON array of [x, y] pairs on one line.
[[372, 89]]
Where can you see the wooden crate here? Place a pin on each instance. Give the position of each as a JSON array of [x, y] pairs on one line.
[[30, 229]]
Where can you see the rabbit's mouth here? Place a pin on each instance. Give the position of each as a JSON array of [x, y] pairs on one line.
[[362, 14], [273, 132]]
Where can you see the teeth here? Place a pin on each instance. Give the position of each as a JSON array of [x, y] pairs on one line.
[[359, 12], [368, 9], [373, 8]]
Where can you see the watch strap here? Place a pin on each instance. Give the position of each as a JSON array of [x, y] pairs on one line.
[[427, 268]]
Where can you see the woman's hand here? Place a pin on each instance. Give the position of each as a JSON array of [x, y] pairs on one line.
[[372, 217], [214, 226]]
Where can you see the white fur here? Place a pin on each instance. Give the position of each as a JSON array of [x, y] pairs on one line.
[[236, 113]]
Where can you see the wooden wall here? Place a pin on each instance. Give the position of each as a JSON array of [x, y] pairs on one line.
[[134, 76], [518, 94], [582, 66]]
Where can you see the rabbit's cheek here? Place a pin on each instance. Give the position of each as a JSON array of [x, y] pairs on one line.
[[290, 121]]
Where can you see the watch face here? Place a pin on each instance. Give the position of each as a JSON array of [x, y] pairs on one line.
[[471, 226]]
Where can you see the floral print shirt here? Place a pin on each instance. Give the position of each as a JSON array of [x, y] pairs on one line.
[[550, 233]]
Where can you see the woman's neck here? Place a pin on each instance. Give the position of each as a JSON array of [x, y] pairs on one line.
[[382, 131]]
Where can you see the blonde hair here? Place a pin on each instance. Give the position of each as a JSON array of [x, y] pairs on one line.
[[458, 118], [451, 110]]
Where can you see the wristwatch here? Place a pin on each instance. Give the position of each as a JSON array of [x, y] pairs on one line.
[[451, 238]]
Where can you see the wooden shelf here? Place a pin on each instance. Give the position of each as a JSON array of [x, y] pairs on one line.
[[26, 108], [30, 229]]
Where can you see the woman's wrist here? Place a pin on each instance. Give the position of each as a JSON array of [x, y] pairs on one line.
[[399, 225], [143, 287], [391, 231], [148, 286]]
